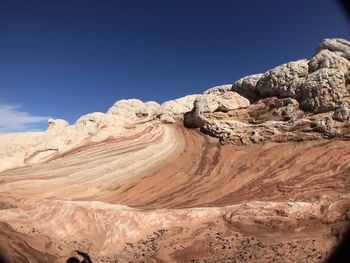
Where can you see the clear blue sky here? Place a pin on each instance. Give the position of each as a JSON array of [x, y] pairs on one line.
[[64, 59]]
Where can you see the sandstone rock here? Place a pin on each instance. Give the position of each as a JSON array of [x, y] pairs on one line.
[[342, 113], [134, 109], [153, 108], [322, 90], [286, 108], [31, 148], [56, 123], [255, 137], [282, 81], [72, 183], [246, 87], [270, 119], [337, 211], [129, 109], [206, 103], [91, 123], [328, 59], [319, 85], [175, 109], [219, 89], [165, 118], [203, 104], [230, 101], [325, 125], [178, 106], [339, 45], [273, 214], [209, 103]]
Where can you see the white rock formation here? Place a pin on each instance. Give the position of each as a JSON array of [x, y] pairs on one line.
[[173, 110], [246, 87], [209, 103], [132, 109], [341, 46], [283, 81], [19, 149], [323, 90], [219, 89], [328, 59]]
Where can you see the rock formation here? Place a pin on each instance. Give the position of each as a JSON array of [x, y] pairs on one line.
[[254, 171], [301, 100]]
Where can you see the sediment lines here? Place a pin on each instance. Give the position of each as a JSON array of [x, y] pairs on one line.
[[99, 197]]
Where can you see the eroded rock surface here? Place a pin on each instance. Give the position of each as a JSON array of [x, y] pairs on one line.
[[300, 100], [254, 171], [209, 103]]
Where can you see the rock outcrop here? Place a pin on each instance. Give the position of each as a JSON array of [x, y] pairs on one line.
[[209, 103], [219, 89], [282, 81], [247, 87], [294, 101], [254, 171], [173, 110], [169, 112], [133, 108]]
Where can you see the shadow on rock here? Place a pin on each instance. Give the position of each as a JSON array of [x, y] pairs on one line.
[[86, 258]]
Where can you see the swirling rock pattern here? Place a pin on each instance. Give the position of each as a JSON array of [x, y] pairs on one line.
[[263, 179]]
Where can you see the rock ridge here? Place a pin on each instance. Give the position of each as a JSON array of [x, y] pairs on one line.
[[253, 171]]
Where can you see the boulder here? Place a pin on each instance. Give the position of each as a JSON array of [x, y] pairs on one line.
[[153, 108], [128, 109], [323, 90], [231, 100], [209, 103], [342, 114], [341, 46], [134, 109], [246, 87], [282, 81], [173, 110], [328, 59]]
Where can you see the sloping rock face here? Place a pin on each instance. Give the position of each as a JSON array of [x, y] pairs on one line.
[[254, 171]]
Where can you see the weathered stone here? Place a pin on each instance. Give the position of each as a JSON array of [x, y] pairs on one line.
[[175, 109], [322, 90], [56, 123], [286, 108], [165, 118], [246, 87], [209, 103], [282, 202], [128, 109], [339, 45], [153, 108], [219, 89], [342, 113], [328, 59], [283, 81]]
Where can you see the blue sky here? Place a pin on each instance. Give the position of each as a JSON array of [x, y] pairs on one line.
[[63, 59]]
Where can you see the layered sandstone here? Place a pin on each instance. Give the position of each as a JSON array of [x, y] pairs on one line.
[[256, 171]]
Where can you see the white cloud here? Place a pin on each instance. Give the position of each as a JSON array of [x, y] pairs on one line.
[[12, 119]]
